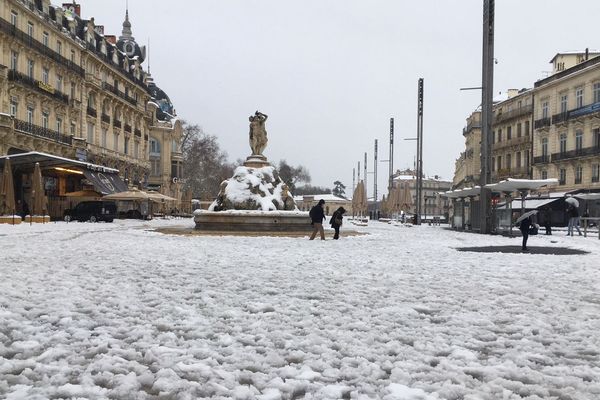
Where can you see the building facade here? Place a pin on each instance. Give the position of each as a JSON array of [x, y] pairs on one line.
[[433, 204], [467, 167], [512, 132], [566, 138], [75, 92]]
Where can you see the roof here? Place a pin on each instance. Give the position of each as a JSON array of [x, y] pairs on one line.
[[566, 53], [48, 161], [515, 185], [529, 204]]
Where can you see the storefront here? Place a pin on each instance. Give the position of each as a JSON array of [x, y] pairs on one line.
[[66, 181]]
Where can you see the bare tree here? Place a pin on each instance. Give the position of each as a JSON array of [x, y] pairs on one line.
[[205, 164], [293, 175]]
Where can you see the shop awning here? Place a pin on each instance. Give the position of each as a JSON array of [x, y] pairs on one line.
[[105, 182]]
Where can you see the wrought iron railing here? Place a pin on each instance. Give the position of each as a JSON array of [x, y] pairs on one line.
[[30, 42], [40, 131], [128, 128], [118, 93], [561, 117], [92, 112], [542, 123], [116, 123], [39, 86], [137, 132], [105, 118], [543, 159], [517, 112], [583, 152]]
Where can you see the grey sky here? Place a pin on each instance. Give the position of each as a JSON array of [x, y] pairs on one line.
[[330, 73]]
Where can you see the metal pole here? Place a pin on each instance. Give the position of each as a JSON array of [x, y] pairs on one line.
[[487, 84], [375, 174], [420, 151], [365, 178], [391, 165]]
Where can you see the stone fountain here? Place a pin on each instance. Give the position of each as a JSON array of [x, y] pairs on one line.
[[254, 199]]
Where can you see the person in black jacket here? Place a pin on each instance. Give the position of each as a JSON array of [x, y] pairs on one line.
[[336, 221], [524, 228], [317, 215]]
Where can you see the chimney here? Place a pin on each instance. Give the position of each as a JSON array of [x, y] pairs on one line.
[[73, 7]]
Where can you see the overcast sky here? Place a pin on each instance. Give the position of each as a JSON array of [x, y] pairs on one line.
[[331, 73]]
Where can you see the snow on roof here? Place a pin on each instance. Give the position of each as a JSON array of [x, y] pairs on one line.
[[326, 196], [529, 204]]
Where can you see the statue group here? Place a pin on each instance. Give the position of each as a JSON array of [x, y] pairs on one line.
[[258, 133]]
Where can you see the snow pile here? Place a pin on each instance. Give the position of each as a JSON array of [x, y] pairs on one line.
[[117, 311], [254, 189]]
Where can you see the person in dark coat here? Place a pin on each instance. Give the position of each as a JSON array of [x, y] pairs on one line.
[[573, 214], [317, 215], [524, 228], [336, 221], [548, 220]]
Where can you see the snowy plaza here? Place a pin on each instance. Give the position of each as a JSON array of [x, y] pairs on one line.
[[122, 311]]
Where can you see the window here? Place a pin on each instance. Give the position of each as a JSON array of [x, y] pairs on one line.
[[73, 128], [578, 174], [45, 74], [91, 101], [45, 39], [499, 135], [562, 176], [595, 172], [58, 125], [174, 146], [154, 147], [14, 18], [155, 166], [14, 107], [493, 137], [527, 128], [104, 137], [45, 118], [115, 141], [563, 143], [14, 60], [30, 67], [174, 169], [493, 164], [508, 161], [499, 163], [59, 47], [59, 83], [563, 103], [72, 56], [518, 159], [72, 90], [509, 133], [519, 130], [90, 132], [545, 109], [545, 147], [29, 28], [596, 92], [104, 76], [544, 174], [126, 147], [30, 115], [579, 97], [596, 134], [136, 149], [526, 159], [578, 140]]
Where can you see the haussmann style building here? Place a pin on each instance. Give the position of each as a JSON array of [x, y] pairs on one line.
[[78, 100]]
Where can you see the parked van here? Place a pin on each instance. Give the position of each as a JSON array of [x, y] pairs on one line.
[[92, 211]]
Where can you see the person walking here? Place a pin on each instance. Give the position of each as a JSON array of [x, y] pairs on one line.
[[317, 215], [524, 226], [336, 221], [573, 214]]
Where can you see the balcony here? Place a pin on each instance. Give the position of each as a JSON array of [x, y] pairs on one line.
[[116, 123], [577, 153], [560, 118], [105, 118], [542, 123], [543, 159], [39, 131], [127, 128], [39, 47], [92, 112], [584, 111], [138, 133], [107, 86], [515, 141], [518, 112], [471, 126], [39, 86]]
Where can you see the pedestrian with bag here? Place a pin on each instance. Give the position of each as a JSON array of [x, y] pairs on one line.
[[317, 215], [336, 221]]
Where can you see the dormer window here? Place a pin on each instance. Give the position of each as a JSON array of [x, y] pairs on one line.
[[103, 48]]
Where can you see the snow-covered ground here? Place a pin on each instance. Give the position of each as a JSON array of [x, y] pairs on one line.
[[122, 312]]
